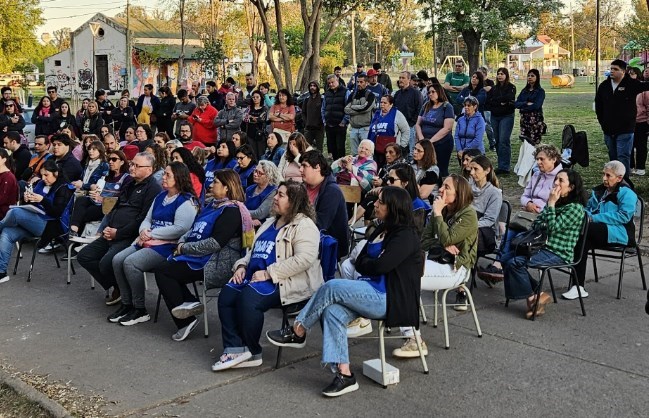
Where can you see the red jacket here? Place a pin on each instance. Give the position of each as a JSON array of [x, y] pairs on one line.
[[203, 128]]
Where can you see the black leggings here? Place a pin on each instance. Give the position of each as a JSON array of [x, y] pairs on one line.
[[85, 210], [597, 237], [172, 278]]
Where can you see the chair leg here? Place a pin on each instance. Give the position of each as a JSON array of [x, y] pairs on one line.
[[421, 351], [507, 303], [474, 283], [56, 259], [619, 279], [554, 294], [435, 319], [69, 261], [157, 307], [422, 311], [445, 318], [592, 252], [473, 311], [382, 355], [538, 294], [18, 256], [207, 332], [31, 266], [581, 300], [279, 349], [644, 283]]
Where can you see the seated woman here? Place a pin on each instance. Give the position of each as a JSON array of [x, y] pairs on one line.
[[611, 208], [359, 170], [160, 157], [8, 183], [388, 288], [259, 196], [246, 164], [289, 165], [533, 200], [392, 157], [170, 216], [562, 216], [88, 208], [425, 166], [196, 171], [281, 269], [467, 156], [225, 158], [94, 166], [452, 228], [207, 252], [51, 195], [274, 148], [487, 201]]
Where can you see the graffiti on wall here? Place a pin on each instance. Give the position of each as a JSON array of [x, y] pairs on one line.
[[61, 81], [85, 79], [142, 74], [191, 72]]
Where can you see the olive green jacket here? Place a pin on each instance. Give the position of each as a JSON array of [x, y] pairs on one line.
[[460, 230]]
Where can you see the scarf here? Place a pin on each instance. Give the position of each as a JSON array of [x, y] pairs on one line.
[[247, 228]]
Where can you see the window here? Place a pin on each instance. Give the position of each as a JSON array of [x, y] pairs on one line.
[[57, 63]]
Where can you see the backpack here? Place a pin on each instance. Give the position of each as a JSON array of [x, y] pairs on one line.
[[577, 143], [328, 255]]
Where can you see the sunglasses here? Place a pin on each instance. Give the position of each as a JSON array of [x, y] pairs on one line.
[[391, 180], [9, 105], [114, 159], [50, 92]]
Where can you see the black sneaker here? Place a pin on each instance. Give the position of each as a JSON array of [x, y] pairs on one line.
[[135, 316], [342, 384], [460, 302], [120, 313], [286, 337]]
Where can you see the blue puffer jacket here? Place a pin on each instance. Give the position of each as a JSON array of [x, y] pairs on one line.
[[469, 132], [616, 210]]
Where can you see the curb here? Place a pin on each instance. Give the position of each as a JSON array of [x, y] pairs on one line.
[[23, 389]]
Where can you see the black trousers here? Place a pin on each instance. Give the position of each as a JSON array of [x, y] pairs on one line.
[[85, 211], [597, 237], [336, 137], [315, 137], [172, 279], [97, 258]]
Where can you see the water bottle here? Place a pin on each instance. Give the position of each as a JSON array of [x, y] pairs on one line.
[[100, 184]]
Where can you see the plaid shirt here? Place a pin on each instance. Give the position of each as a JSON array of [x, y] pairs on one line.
[[563, 226]]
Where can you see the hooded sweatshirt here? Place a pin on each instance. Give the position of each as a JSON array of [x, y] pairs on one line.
[[311, 110], [487, 202]]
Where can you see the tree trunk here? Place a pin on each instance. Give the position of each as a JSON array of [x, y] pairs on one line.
[[181, 58], [261, 8], [252, 37], [310, 23], [472, 41], [285, 56]]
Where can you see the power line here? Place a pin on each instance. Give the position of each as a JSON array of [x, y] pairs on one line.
[[84, 14], [85, 5]]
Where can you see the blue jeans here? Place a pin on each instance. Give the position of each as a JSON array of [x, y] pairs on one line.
[[503, 126], [242, 317], [16, 225], [356, 135], [519, 284], [412, 140], [620, 147], [336, 304], [489, 128], [506, 252]]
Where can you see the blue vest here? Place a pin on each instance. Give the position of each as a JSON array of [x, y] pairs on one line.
[[201, 229], [245, 173], [162, 216], [382, 125], [212, 167], [374, 250], [39, 188], [253, 202]]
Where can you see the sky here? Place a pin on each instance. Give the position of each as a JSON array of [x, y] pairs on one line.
[[73, 13]]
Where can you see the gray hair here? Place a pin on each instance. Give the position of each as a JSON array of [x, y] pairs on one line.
[[369, 143], [272, 172], [616, 167], [202, 100], [231, 94], [148, 156], [408, 74], [330, 76]]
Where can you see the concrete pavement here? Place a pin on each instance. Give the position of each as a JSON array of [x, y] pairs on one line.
[[562, 363]]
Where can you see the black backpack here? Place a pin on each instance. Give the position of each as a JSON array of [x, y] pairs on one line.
[[577, 142]]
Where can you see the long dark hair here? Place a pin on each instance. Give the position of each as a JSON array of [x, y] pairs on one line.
[[191, 163], [399, 206], [299, 200], [232, 152], [430, 158], [578, 194], [484, 162], [124, 167], [505, 71], [182, 178], [537, 85], [248, 152], [480, 85], [160, 157], [9, 162], [441, 96], [463, 195], [300, 142], [289, 97], [406, 174], [51, 166]]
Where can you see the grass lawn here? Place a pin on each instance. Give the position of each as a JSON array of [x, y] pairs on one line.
[[14, 405]]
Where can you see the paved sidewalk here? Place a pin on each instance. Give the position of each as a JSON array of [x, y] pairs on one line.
[[562, 363]]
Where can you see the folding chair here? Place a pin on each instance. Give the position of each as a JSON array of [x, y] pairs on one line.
[[622, 252], [288, 311], [564, 268], [352, 195], [503, 218]]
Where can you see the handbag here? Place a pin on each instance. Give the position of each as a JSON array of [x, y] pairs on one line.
[[441, 256], [522, 220], [530, 242], [382, 141]]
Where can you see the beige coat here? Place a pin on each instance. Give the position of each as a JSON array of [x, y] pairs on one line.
[[296, 267]]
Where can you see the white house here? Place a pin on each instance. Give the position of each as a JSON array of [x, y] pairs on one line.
[[539, 52], [104, 61]]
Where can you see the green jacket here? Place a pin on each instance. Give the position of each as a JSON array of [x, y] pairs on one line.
[[460, 230]]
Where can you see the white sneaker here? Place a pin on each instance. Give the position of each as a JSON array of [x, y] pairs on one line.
[[4, 279], [187, 309], [183, 333], [358, 327], [632, 171], [254, 361], [229, 360], [572, 293], [409, 349], [640, 172]]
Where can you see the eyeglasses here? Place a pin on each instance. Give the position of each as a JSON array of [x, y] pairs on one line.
[[135, 166], [114, 159], [392, 180], [259, 173], [242, 158]]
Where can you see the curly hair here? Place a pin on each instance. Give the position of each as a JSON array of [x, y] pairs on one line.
[[160, 157], [182, 178], [550, 151]]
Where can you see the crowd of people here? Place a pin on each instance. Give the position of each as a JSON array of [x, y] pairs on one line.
[[235, 190]]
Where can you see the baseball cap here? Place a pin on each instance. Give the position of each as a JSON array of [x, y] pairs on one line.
[[372, 72]]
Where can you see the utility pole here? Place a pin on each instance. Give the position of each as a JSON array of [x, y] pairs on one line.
[[434, 47], [572, 36], [597, 46], [127, 84], [353, 17], [212, 26]]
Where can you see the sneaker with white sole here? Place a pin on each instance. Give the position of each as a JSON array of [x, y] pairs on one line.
[[229, 360], [184, 332], [358, 327], [4, 277], [572, 293], [136, 316], [254, 361], [640, 172], [187, 309], [461, 304], [409, 349], [49, 248], [341, 385]]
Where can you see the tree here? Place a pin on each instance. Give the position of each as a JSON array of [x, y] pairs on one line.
[[211, 56], [62, 38], [637, 29], [17, 33], [486, 19]]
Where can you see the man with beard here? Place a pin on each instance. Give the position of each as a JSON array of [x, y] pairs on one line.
[[313, 127]]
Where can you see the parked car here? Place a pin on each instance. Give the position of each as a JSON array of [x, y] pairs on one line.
[[30, 128]]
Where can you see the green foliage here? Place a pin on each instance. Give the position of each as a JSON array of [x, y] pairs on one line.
[[17, 32], [211, 56], [637, 29]]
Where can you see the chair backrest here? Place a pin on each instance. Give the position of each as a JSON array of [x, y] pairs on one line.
[[108, 204], [581, 242], [352, 194], [503, 218], [638, 219]]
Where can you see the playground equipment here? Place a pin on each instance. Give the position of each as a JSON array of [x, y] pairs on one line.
[[562, 80]]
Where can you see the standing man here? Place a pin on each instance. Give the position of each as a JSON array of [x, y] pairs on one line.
[[119, 228], [422, 84], [184, 107], [217, 100], [615, 106], [147, 106], [360, 109], [408, 101], [333, 116], [195, 92], [229, 118], [55, 100], [360, 70], [104, 106], [6, 97], [374, 86], [488, 84], [454, 83], [326, 197], [244, 99], [314, 129], [338, 72], [383, 77]]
